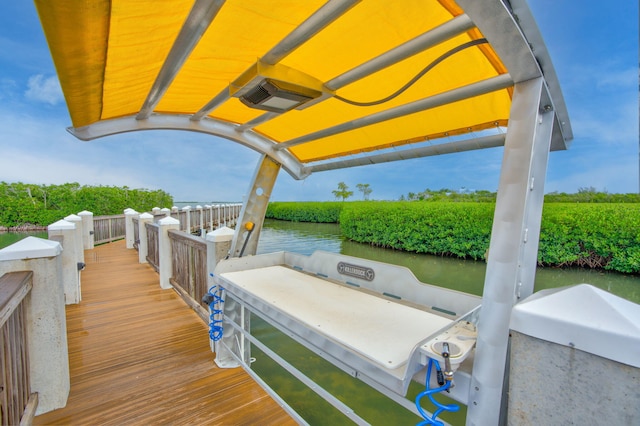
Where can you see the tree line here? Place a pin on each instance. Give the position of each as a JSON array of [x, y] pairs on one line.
[[31, 204], [584, 195]]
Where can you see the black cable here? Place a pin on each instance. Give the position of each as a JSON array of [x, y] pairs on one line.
[[418, 76]]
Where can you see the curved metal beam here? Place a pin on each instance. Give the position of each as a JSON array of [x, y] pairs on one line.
[[516, 39], [209, 126], [483, 142], [324, 16], [200, 17]]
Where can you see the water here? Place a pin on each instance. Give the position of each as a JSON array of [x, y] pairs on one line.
[[8, 238]]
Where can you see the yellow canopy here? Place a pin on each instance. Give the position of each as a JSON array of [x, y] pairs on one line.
[[131, 65]]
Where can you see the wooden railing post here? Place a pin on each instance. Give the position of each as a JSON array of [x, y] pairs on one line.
[[129, 215], [45, 318], [143, 244], [165, 269], [17, 403], [65, 233], [87, 229]]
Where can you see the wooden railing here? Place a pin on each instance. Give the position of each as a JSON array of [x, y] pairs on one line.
[[108, 228], [17, 403], [153, 255], [212, 217], [189, 263], [136, 233]]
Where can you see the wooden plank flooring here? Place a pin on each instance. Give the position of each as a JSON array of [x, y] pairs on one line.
[[139, 356]]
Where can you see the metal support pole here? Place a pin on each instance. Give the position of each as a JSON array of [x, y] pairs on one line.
[[254, 208], [514, 244]]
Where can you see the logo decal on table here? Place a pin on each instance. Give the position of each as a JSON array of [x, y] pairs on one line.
[[356, 271]]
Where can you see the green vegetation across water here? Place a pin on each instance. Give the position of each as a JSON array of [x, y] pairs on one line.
[[592, 235], [22, 203]]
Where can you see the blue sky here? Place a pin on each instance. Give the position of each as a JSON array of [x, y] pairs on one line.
[[593, 45]]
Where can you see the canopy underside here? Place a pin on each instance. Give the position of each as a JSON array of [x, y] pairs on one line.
[[288, 78]]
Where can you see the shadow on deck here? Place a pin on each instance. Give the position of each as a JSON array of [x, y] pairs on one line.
[[139, 355]]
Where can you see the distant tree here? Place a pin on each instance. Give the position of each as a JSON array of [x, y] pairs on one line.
[[342, 191], [365, 189]]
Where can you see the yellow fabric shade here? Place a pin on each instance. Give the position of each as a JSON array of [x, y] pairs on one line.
[[109, 53]]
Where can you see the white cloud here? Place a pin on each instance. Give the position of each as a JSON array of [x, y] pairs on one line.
[[616, 79], [44, 89], [616, 123]]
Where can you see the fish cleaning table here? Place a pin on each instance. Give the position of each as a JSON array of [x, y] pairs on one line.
[[381, 330], [373, 320]]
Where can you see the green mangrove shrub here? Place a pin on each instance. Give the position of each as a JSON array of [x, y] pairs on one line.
[[316, 212], [600, 235], [23, 203], [448, 229], [591, 235]]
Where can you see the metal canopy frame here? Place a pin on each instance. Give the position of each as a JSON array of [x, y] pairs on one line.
[[538, 123], [524, 56]]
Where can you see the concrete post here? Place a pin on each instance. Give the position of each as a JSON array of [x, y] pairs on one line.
[[165, 269], [129, 215], [166, 211], [187, 221], [143, 246], [87, 229], [45, 318], [218, 246], [65, 233], [574, 358], [77, 220]]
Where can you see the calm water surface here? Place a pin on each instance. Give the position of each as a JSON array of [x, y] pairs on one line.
[[8, 238]]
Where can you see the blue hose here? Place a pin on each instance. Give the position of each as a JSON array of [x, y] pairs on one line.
[[215, 318], [431, 420]]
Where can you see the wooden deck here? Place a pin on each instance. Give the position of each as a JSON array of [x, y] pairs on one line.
[[139, 355]]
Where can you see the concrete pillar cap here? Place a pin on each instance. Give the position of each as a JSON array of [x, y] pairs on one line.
[[30, 248], [221, 234], [168, 221], [60, 225]]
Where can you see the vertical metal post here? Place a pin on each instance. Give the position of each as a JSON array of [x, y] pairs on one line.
[[255, 207], [514, 244]]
